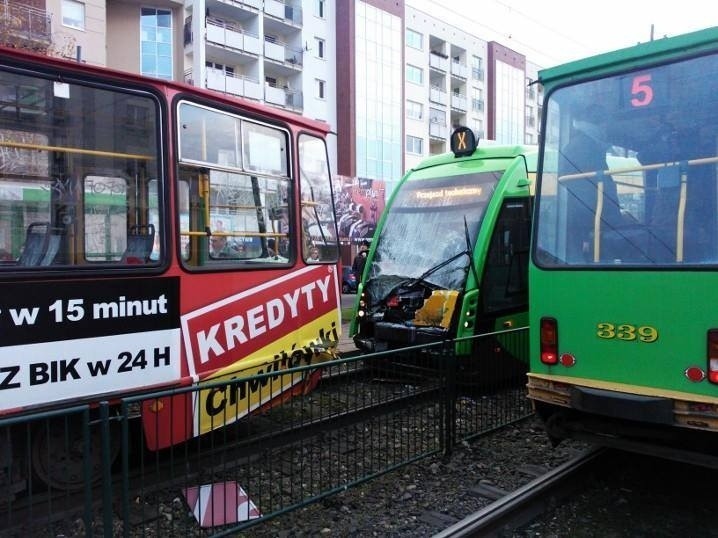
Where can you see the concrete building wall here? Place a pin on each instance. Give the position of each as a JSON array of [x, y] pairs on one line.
[[86, 44]]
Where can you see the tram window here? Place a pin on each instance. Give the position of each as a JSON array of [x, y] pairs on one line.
[[319, 230], [208, 136], [264, 149], [77, 157], [234, 208], [105, 218], [505, 281], [248, 219]]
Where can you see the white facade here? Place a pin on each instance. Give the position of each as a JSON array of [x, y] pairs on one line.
[[275, 52], [454, 89]]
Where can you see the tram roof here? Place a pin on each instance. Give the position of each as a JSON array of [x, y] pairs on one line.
[[483, 151], [660, 49]]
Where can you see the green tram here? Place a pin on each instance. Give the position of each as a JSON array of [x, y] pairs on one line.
[[624, 250], [449, 258]]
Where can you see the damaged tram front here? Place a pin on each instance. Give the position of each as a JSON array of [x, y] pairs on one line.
[[449, 257]]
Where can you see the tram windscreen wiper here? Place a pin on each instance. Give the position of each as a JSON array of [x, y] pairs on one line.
[[431, 270], [411, 281]]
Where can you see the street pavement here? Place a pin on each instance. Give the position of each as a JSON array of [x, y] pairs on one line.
[[346, 345]]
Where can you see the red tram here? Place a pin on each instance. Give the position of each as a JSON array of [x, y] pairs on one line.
[[156, 235]]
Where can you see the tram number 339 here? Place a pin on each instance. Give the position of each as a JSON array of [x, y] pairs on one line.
[[629, 333]]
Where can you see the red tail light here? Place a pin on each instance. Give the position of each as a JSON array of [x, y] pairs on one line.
[[393, 301], [549, 341], [713, 355]]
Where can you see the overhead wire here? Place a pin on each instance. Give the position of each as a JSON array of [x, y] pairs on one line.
[[532, 47]]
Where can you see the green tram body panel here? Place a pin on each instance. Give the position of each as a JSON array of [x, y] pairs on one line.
[[460, 309], [637, 305], [624, 248]]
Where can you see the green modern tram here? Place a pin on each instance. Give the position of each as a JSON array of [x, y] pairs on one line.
[[624, 251], [449, 258]]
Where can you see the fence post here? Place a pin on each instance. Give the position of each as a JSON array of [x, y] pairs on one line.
[[106, 469], [87, 469], [448, 362], [124, 449]]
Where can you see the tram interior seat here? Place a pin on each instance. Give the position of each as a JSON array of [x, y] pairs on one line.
[[140, 240], [54, 238], [36, 241]]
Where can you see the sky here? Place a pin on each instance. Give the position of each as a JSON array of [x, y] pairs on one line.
[[552, 32]]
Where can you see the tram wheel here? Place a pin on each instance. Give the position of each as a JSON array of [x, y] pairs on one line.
[[58, 454]]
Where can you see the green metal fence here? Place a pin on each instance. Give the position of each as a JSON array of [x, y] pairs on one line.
[[86, 470]]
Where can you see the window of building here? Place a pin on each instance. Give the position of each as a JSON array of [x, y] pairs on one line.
[[320, 47], [73, 14], [414, 74], [414, 144], [414, 110], [156, 43], [530, 118], [321, 89], [320, 9], [380, 114], [437, 116], [414, 39], [477, 67], [477, 99]]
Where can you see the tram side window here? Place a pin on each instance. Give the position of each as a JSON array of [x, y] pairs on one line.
[[319, 228], [248, 219], [505, 281], [234, 192], [75, 161]]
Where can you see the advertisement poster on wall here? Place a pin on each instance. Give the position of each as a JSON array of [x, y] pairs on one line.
[[359, 203]]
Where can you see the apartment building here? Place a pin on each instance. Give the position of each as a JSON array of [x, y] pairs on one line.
[[455, 78], [276, 52]]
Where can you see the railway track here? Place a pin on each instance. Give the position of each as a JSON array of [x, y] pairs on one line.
[[514, 509]]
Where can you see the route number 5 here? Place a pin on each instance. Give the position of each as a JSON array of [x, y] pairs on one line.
[[642, 91]]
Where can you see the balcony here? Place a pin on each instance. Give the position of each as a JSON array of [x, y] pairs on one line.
[[284, 12], [458, 102], [242, 4], [235, 84], [282, 53], [229, 35], [438, 95], [438, 61], [459, 70], [283, 97], [24, 27], [438, 131]]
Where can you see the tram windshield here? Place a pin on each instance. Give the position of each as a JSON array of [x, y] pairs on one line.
[[428, 223], [630, 170]]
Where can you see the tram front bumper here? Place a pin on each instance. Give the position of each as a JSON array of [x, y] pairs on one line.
[[387, 336]]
